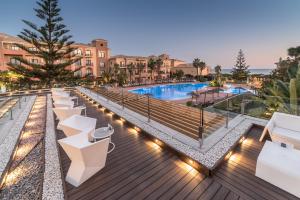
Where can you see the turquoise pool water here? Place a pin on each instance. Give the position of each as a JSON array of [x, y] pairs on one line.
[[170, 92], [180, 91]]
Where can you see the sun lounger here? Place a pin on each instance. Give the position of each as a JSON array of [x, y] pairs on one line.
[[280, 167]]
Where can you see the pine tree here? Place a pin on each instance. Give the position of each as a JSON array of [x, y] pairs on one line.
[[50, 42], [240, 70]]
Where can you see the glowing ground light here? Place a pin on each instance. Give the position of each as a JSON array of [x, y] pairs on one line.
[[137, 129], [242, 139], [228, 155], [123, 120]]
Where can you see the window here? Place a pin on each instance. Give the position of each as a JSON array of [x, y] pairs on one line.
[[88, 71], [14, 61], [35, 61], [101, 54], [77, 73], [102, 64], [78, 63], [122, 64], [14, 47], [88, 53], [88, 62], [78, 52], [32, 49]]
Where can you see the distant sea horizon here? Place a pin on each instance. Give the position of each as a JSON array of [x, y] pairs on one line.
[[265, 71]]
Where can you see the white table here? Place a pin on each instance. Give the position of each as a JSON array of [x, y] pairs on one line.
[[104, 132]]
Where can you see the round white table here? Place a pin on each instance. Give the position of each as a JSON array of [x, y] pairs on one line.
[[102, 133]]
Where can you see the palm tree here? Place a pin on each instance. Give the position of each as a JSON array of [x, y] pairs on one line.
[[107, 75], [151, 65], [140, 66], [196, 64], [130, 69], [116, 70], [159, 62], [202, 66], [286, 93]]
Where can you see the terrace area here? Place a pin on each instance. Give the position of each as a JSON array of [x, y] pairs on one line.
[[141, 169], [142, 165]]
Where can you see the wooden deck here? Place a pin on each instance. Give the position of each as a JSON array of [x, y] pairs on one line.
[[139, 169]]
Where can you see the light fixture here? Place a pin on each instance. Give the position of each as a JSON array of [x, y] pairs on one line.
[[137, 129], [242, 139], [228, 155], [122, 120]]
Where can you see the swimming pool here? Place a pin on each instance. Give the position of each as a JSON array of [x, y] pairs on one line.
[[235, 90], [170, 92], [181, 91]]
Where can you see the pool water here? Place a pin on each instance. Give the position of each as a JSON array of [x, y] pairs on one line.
[[181, 91], [170, 92], [237, 90]]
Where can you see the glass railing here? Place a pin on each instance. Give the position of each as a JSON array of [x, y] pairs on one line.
[[260, 107], [10, 108]]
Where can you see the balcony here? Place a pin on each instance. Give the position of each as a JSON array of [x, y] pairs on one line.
[[88, 55], [89, 64]]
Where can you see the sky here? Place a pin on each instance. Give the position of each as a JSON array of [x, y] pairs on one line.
[[212, 30]]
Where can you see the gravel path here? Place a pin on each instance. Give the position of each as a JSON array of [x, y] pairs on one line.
[[25, 175]]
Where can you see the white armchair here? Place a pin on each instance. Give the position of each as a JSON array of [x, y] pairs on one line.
[[280, 167], [86, 158], [63, 113], [77, 124], [284, 128], [64, 103]]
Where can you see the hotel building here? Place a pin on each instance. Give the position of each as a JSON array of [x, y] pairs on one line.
[[167, 64], [94, 56], [95, 59]]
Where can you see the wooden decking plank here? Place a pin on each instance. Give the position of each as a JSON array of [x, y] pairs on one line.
[[221, 194], [211, 191], [143, 181], [188, 188], [144, 192], [121, 181], [177, 187], [200, 188]]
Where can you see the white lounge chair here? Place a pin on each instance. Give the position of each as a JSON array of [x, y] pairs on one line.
[[86, 158], [77, 124], [63, 113], [61, 93], [61, 98], [283, 128], [63, 103], [280, 167]]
